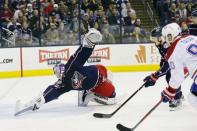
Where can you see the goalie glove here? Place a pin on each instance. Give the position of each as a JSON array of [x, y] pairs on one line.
[[150, 80], [91, 38]]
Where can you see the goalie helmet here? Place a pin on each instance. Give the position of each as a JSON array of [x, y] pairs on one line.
[[156, 35], [170, 32], [58, 70]]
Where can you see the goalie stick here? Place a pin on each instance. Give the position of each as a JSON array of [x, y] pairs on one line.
[[121, 127], [101, 115], [20, 109]]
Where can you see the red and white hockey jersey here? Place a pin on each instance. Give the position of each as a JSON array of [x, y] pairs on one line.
[[182, 54]]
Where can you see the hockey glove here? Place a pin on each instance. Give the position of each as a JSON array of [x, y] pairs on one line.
[[91, 38], [150, 80], [168, 94]]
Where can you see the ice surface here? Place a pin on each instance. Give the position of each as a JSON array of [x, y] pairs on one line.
[[64, 114]]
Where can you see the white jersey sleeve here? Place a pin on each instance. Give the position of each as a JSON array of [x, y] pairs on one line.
[[184, 55]]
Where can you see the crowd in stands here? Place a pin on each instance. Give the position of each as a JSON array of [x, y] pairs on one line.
[[57, 21], [178, 11]]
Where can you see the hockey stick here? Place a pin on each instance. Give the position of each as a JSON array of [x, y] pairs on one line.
[[120, 127], [101, 115]]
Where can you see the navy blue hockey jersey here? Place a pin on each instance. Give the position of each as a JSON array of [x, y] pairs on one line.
[[76, 75]]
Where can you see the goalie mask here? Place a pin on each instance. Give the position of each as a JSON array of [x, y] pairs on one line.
[[59, 70]]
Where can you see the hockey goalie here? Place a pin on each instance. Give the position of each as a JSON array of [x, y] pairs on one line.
[[94, 81]]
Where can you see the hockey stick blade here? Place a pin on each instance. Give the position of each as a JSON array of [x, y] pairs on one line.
[[120, 127], [100, 115], [23, 111], [19, 109]]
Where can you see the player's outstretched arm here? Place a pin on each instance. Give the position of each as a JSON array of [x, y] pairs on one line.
[[85, 50]]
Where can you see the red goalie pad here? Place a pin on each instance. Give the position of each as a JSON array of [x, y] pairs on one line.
[[104, 89], [102, 70]]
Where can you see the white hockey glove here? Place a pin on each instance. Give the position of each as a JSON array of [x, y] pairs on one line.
[[91, 38], [59, 70]]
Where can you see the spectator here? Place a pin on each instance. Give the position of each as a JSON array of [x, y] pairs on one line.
[[63, 10], [74, 25], [85, 23], [14, 26], [129, 8], [26, 36], [21, 18], [185, 29], [173, 12], [61, 32], [113, 17], [107, 36], [33, 19], [71, 38], [92, 5], [189, 9], [52, 35], [56, 13], [29, 11], [6, 14], [130, 19], [48, 7], [139, 33], [182, 11]]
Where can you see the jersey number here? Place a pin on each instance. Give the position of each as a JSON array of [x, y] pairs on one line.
[[192, 49]]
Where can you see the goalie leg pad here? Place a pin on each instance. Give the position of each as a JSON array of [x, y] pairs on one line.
[[105, 100], [85, 97], [102, 70], [105, 89]]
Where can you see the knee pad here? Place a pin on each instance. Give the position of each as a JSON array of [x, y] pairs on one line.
[[193, 89], [105, 89]]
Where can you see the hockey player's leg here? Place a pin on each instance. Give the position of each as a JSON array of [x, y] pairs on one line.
[[193, 89], [176, 103], [104, 93], [51, 93], [106, 74], [33, 105], [85, 97]]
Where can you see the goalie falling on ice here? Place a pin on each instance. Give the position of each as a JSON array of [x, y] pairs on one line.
[[93, 81]]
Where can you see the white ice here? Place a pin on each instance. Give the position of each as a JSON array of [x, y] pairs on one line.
[[64, 114]]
